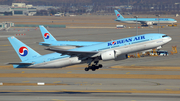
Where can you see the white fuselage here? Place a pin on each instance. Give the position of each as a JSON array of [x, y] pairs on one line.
[[154, 22], [58, 63], [128, 48]]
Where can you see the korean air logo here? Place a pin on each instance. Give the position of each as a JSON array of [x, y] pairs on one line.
[[23, 51], [114, 43], [46, 35], [118, 15]]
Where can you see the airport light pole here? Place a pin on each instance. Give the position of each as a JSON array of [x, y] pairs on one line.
[[136, 25], [158, 23], [136, 29]]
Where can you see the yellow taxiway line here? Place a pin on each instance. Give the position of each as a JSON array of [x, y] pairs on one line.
[[57, 75], [146, 68]]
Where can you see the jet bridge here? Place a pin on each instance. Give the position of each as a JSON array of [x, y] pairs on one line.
[[6, 25]]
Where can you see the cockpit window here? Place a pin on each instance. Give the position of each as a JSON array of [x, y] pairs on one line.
[[164, 36]]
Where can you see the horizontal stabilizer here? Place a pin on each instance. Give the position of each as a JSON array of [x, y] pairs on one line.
[[19, 63], [44, 44]]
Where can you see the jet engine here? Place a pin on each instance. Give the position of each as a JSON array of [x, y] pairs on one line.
[[108, 55], [149, 23], [113, 55]]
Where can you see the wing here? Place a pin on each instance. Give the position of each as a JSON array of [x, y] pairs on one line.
[[81, 54], [144, 22]]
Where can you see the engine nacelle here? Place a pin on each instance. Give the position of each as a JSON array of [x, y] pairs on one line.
[[108, 55], [149, 23], [121, 57]]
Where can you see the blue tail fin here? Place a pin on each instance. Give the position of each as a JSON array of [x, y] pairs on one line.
[[46, 35], [118, 15], [24, 52]]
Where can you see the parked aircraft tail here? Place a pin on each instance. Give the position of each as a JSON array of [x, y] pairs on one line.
[[46, 35], [24, 52], [118, 15]]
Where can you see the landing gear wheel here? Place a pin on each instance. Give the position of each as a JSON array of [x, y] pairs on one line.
[[93, 66], [93, 69], [86, 69], [100, 66]]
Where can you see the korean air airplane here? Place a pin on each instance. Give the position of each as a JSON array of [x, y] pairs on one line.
[[49, 40], [145, 21], [91, 54]]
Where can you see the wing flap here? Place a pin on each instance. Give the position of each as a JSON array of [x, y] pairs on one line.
[[72, 53]]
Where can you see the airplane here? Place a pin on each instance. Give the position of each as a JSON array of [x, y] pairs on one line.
[[144, 21], [111, 50], [50, 41]]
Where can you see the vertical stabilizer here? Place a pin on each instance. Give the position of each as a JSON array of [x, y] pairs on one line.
[[118, 15], [46, 35], [24, 52]]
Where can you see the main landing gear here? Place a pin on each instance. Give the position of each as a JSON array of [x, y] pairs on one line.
[[94, 66]]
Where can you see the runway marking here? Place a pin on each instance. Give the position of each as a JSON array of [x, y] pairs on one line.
[[128, 73], [169, 89], [29, 84], [56, 75], [57, 82], [1, 84], [98, 89], [23, 72]]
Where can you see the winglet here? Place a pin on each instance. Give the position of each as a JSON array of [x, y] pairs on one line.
[[46, 35], [118, 15]]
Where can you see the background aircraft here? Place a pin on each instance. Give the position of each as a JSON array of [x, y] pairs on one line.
[[144, 21], [49, 40], [111, 50]]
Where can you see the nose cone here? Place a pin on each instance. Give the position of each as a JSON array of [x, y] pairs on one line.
[[175, 21], [167, 39]]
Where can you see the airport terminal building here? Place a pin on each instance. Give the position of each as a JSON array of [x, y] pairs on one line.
[[17, 9], [23, 9]]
